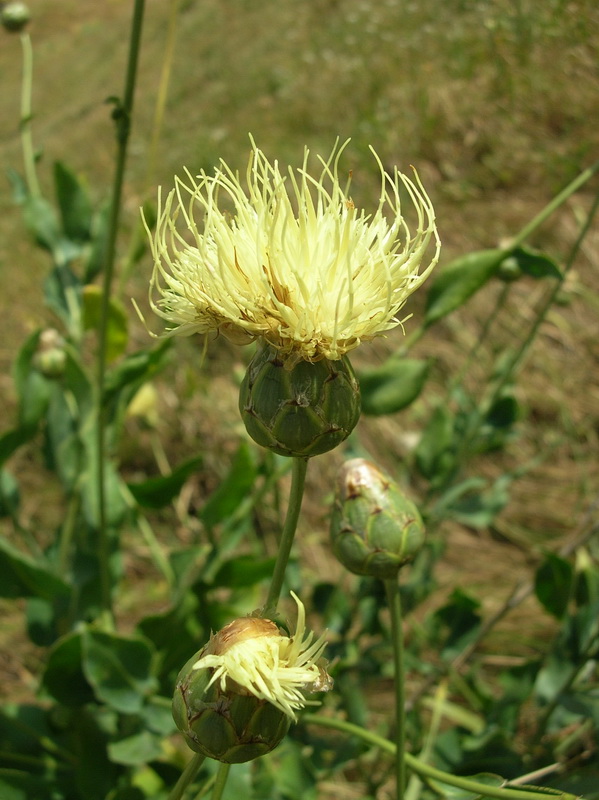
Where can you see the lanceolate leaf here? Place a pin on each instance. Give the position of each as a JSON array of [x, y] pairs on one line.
[[159, 492], [21, 576], [459, 281], [119, 669], [73, 203], [392, 386]]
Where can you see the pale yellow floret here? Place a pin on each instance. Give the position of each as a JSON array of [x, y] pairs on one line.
[[268, 664], [294, 261]]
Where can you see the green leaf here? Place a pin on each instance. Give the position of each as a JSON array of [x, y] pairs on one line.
[[119, 669], [553, 584], [235, 488], [392, 386], [140, 748], [116, 507], [159, 492], [461, 616], [503, 413], [243, 571], [33, 390], [117, 330], [472, 502], [21, 576], [455, 793], [434, 454], [63, 677], [457, 282], [62, 293], [15, 438], [95, 774], [134, 369], [73, 203], [96, 257], [176, 634], [535, 264], [9, 495], [42, 222], [18, 785]]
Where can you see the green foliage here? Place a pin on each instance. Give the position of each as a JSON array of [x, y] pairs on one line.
[[392, 386]]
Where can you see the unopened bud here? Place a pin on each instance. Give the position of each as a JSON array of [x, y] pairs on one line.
[[51, 357], [303, 410], [375, 528], [14, 16]]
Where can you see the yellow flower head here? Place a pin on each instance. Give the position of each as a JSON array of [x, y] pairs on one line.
[[295, 262], [252, 656]]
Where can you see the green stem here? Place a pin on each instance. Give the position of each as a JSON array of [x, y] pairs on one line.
[[221, 781], [26, 137], [67, 531], [123, 125], [139, 233], [186, 777], [298, 478], [480, 339], [542, 313], [514, 362], [426, 771], [554, 204], [394, 600]]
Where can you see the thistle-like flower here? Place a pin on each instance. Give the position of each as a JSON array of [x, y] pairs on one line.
[[251, 656], [296, 262], [236, 698]]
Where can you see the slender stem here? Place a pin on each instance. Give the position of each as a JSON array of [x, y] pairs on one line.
[[123, 125], [394, 600], [150, 175], [186, 777], [26, 137], [554, 204], [542, 313], [221, 781], [426, 771], [480, 339], [298, 478]]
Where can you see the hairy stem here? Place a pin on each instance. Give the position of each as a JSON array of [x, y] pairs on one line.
[[298, 478]]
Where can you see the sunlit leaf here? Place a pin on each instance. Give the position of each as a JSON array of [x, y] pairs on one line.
[[117, 330], [392, 386], [459, 280]]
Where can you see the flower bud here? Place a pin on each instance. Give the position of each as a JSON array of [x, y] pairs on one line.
[[51, 357], [375, 528], [509, 270], [303, 410], [235, 699], [14, 16]]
